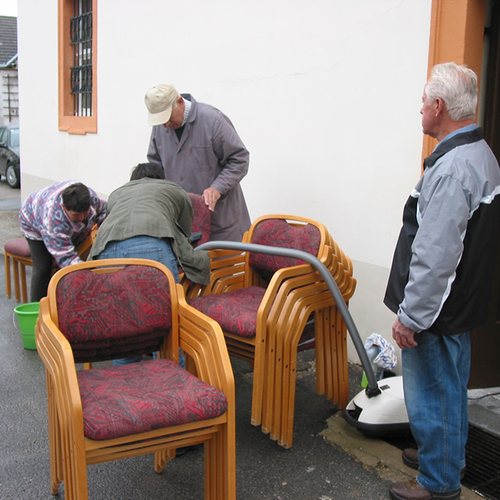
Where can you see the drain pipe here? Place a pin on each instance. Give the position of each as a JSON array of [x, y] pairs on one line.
[[372, 388]]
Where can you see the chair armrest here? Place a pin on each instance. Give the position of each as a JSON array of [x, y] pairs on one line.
[[57, 356], [226, 273], [202, 339]]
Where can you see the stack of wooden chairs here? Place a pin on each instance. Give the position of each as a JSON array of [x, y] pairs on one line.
[[263, 303]]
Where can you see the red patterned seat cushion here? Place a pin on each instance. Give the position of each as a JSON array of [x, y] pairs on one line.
[[113, 315], [236, 311], [278, 233], [139, 397], [18, 246]]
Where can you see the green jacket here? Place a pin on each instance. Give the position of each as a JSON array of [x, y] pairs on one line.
[[156, 208]]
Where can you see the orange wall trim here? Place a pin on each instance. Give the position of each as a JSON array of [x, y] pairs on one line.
[[457, 31], [67, 121]]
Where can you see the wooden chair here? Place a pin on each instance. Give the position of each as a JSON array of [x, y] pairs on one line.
[[253, 296], [17, 252], [106, 309]]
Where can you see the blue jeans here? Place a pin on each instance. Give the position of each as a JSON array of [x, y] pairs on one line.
[[435, 377], [142, 247]]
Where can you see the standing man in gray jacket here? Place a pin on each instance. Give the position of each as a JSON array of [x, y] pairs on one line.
[[200, 150], [441, 281]]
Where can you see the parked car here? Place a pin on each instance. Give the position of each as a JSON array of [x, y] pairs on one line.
[[10, 163]]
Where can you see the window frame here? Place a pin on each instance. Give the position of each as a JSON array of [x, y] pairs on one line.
[[68, 122]]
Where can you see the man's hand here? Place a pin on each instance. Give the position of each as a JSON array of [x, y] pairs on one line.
[[211, 197], [403, 336]]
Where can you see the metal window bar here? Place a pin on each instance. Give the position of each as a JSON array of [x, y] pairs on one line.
[[81, 71], [11, 84]]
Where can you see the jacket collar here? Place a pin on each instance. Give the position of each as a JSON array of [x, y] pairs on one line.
[[457, 140], [192, 112]]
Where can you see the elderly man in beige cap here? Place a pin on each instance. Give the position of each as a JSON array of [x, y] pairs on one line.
[[199, 149]]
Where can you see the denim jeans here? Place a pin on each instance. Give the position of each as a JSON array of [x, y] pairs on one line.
[[142, 247], [435, 377]]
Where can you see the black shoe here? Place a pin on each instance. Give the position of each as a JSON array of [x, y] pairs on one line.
[[410, 458]]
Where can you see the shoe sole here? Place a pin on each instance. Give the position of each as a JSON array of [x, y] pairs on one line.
[[434, 496]]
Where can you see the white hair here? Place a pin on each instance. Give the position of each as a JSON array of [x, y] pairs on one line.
[[457, 87]]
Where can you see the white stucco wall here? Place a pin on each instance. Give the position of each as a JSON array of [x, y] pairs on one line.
[[326, 96]]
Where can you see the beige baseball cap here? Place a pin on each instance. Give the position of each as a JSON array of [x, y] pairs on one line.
[[159, 101]]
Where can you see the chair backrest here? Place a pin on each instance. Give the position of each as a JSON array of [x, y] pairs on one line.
[[201, 219], [113, 312], [83, 249], [280, 233]]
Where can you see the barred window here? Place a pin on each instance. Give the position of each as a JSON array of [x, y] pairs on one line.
[[77, 66], [81, 71]]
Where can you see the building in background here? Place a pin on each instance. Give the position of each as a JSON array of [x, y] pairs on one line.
[[9, 86], [325, 95]]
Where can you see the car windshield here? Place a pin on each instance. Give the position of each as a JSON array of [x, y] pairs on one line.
[[14, 137]]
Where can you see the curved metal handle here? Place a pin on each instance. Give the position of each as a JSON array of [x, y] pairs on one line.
[[372, 388]]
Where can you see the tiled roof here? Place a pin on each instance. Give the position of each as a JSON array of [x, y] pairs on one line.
[[8, 38]]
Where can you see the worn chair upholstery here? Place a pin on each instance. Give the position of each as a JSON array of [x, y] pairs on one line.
[[106, 309], [258, 301], [17, 252], [201, 219]]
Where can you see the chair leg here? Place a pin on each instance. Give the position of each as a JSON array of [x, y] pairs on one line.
[[8, 289], [320, 324], [74, 467], [211, 470], [284, 418], [342, 390], [220, 471], [162, 458], [329, 355], [270, 371], [55, 451], [259, 374], [17, 292]]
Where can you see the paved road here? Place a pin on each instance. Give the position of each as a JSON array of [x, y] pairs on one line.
[[10, 202], [9, 198]]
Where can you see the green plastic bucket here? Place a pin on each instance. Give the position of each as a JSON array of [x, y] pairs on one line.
[[27, 315]]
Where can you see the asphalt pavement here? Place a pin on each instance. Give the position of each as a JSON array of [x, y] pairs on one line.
[[329, 459]]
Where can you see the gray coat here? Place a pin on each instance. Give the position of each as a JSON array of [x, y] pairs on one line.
[[209, 154]]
